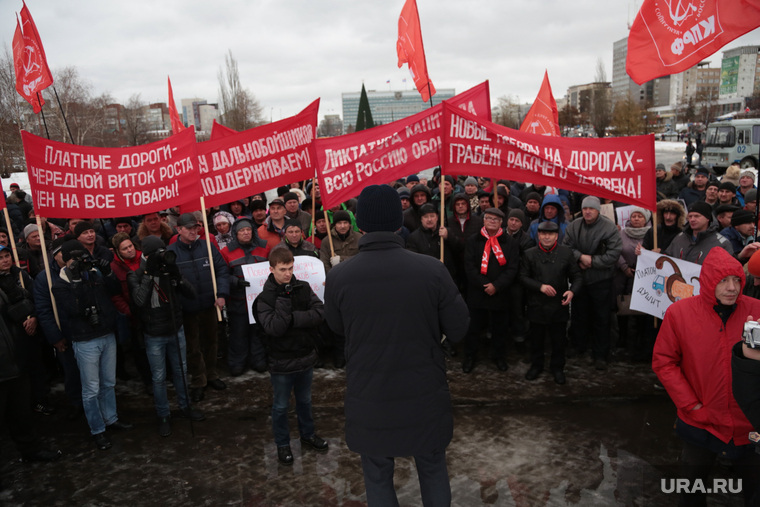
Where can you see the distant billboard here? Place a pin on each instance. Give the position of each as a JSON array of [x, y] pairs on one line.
[[729, 75]]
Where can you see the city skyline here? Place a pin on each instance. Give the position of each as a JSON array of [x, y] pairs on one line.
[[290, 53]]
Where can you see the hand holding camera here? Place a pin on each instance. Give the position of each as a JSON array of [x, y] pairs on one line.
[[103, 265]]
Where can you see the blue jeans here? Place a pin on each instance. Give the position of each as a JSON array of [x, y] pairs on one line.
[[158, 348], [96, 359], [282, 385]]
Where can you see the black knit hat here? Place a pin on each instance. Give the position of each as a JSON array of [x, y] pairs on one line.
[[727, 185], [427, 208], [379, 209], [702, 208], [518, 214], [289, 196], [151, 244], [742, 216], [257, 204], [342, 216], [534, 196], [69, 247], [82, 227]]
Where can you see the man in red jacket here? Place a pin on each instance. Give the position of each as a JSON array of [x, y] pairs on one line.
[[692, 358]]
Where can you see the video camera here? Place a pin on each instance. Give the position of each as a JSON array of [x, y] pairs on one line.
[[166, 258], [83, 261]]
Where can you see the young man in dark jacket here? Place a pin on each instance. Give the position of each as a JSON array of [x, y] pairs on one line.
[[544, 272], [153, 289], [290, 313]]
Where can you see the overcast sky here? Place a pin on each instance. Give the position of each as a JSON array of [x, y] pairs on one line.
[[291, 52]]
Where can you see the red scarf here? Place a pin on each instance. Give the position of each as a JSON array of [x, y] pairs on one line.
[[492, 243]]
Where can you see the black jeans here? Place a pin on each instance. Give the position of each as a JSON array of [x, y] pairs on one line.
[[538, 333], [591, 318], [701, 449], [479, 317], [431, 471]]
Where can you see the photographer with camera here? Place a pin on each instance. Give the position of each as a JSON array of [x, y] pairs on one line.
[[83, 293], [290, 313], [692, 358], [153, 290]]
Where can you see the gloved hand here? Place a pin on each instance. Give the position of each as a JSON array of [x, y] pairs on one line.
[[334, 261], [103, 265], [285, 290], [153, 265], [75, 270], [242, 283], [173, 271]]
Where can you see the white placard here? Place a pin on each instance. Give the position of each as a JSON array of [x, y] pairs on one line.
[[660, 281]]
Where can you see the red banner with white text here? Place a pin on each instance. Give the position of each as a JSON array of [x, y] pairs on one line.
[[618, 168], [258, 159], [82, 181], [347, 164]]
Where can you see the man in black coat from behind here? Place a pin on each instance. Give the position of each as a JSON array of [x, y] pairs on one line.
[[397, 397]]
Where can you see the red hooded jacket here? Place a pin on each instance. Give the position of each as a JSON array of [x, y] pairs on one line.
[[692, 354]]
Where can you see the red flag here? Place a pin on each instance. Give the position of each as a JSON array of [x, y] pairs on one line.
[[410, 50], [32, 71], [543, 117], [668, 37], [177, 125]]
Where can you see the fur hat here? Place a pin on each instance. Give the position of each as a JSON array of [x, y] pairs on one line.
[[733, 174]]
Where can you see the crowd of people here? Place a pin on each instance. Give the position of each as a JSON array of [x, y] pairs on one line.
[[160, 293]]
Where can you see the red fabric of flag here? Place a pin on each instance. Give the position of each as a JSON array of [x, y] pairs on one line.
[[543, 116], [30, 64], [177, 125], [410, 50], [670, 36]]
